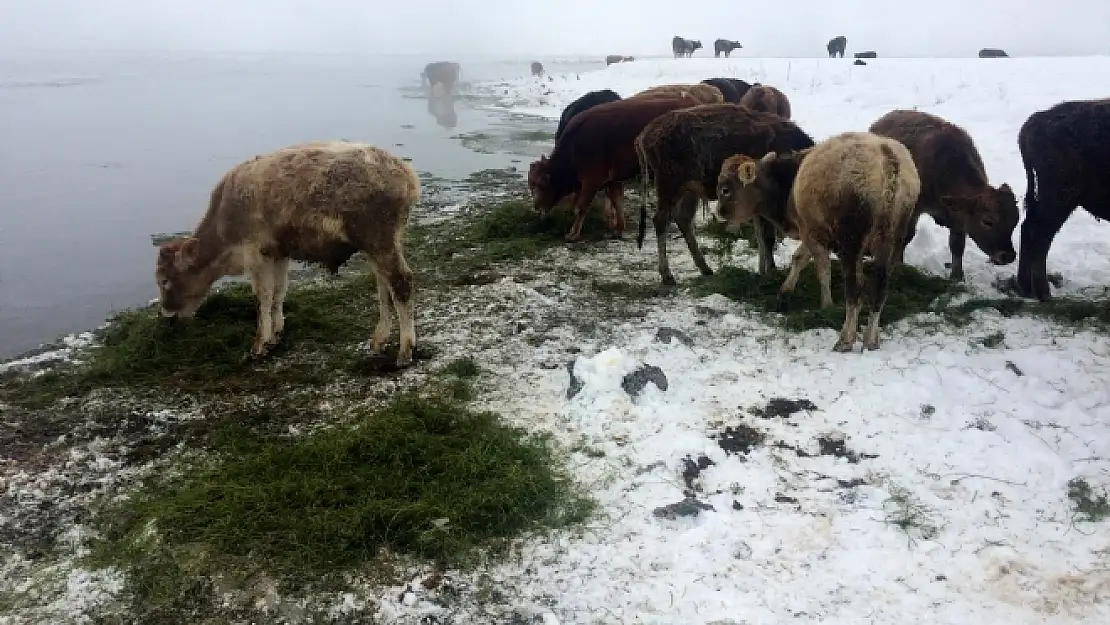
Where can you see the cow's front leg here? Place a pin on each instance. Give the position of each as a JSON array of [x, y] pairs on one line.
[[262, 282]]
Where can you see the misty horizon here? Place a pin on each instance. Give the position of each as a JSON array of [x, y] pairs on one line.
[[567, 28]]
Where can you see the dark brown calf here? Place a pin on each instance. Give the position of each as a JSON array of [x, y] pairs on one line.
[[596, 151], [954, 187], [768, 99], [682, 152]]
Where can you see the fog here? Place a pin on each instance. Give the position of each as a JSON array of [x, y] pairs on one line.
[[557, 27]]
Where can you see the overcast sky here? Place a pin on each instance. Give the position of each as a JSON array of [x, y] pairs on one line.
[[559, 27]]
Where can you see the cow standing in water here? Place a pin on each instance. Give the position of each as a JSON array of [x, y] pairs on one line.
[[445, 73]]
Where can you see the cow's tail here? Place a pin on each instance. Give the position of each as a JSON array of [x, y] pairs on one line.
[[1030, 178], [645, 184], [894, 214]]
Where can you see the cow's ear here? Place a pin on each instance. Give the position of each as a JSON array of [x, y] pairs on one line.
[[746, 172], [1005, 189], [187, 253]]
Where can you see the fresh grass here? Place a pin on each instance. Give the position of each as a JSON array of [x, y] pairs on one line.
[[425, 476]]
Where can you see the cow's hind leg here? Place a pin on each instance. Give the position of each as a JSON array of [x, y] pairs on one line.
[[262, 283], [280, 270], [851, 261], [395, 272], [684, 219], [880, 287], [665, 202], [615, 194]]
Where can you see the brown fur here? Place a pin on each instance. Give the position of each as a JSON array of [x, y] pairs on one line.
[[445, 73], [681, 152], [596, 150], [315, 202], [768, 99], [852, 194], [1067, 165], [954, 187], [703, 93]]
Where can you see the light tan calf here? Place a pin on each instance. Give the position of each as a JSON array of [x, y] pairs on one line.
[[702, 93], [316, 202], [852, 194]]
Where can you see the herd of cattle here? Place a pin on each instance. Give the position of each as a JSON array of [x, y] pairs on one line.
[[854, 194]]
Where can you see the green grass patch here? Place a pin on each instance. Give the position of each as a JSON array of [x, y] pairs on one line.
[[911, 292], [457, 251], [723, 242], [426, 476], [1089, 506], [323, 327]]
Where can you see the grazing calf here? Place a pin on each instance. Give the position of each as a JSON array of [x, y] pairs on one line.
[[681, 153], [537, 68], [596, 151], [726, 46], [837, 45], [768, 99], [1066, 153], [992, 53], [867, 54], [852, 194], [955, 190], [441, 72], [728, 90], [702, 93], [315, 202]]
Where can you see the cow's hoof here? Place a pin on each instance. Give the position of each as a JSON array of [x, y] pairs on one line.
[[843, 346], [782, 304], [616, 236], [668, 280], [871, 345], [956, 276]]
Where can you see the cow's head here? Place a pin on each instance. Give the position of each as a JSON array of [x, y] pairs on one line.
[[989, 218], [539, 185], [695, 45], [182, 282], [747, 188]]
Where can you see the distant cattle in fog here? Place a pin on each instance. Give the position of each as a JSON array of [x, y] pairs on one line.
[[992, 53], [837, 45], [867, 54]]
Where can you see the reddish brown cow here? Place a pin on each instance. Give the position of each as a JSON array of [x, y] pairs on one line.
[[596, 151], [954, 187], [314, 202], [767, 98]]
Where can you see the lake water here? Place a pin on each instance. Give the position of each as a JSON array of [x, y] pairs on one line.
[[98, 151]]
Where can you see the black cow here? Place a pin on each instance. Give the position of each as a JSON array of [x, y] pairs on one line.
[[837, 45], [728, 89], [684, 47], [1066, 156], [992, 53], [588, 101], [726, 46], [866, 54]]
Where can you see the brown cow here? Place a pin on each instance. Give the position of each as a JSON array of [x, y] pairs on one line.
[[596, 150], [766, 98], [441, 72], [682, 152], [1064, 149], [315, 202], [703, 93], [852, 194], [954, 188]]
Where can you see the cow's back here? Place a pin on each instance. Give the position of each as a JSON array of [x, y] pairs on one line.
[[606, 134], [947, 161], [1067, 145]]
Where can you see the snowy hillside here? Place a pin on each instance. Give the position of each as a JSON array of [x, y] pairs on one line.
[[990, 98]]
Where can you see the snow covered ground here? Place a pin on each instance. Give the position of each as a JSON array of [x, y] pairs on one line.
[[990, 98], [924, 482]]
